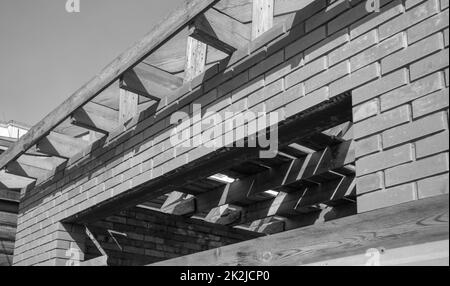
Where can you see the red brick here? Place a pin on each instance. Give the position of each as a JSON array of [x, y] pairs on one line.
[[411, 3], [409, 18], [412, 53], [416, 129], [428, 27], [430, 103], [326, 45], [377, 52], [354, 79], [385, 159], [412, 91], [446, 77], [375, 19], [433, 186], [367, 146], [266, 92], [386, 198], [369, 183], [353, 47], [430, 64], [365, 110], [232, 84], [432, 145], [381, 122], [326, 77], [248, 88], [306, 72], [416, 170], [305, 42]]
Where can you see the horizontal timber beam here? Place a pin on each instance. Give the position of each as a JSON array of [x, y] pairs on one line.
[[413, 223], [220, 31], [24, 170], [160, 34], [10, 181]]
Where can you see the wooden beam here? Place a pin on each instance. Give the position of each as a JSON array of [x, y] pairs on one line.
[[24, 170], [128, 107], [225, 215], [10, 181], [150, 82], [9, 195], [220, 31], [262, 17], [195, 58], [43, 162], [269, 225], [60, 145], [96, 117], [249, 189], [413, 223], [160, 34], [306, 200], [179, 204]]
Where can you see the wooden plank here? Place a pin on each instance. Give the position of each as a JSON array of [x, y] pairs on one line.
[[179, 204], [60, 145], [149, 43], [225, 214], [248, 189], [220, 31], [303, 201], [434, 253], [9, 195], [96, 117], [240, 10], [150, 82], [8, 219], [6, 260], [128, 106], [42, 162], [195, 58], [412, 223], [262, 17], [7, 233], [9, 206], [10, 181], [24, 170]]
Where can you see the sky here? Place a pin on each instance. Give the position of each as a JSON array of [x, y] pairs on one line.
[[47, 53]]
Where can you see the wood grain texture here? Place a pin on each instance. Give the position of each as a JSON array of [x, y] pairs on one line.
[[220, 31], [406, 224], [60, 145], [195, 58], [149, 43], [128, 106], [262, 17]]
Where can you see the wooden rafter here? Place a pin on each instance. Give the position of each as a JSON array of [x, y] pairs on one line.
[[150, 82], [220, 31], [60, 145], [149, 43]]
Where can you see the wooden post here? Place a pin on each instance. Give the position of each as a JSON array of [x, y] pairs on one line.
[[195, 58], [262, 17], [128, 105]]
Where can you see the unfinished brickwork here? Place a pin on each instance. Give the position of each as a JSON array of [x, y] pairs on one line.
[[394, 63], [141, 236]]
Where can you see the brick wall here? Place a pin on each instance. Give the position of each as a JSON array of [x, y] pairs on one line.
[[401, 118], [395, 63], [143, 236]]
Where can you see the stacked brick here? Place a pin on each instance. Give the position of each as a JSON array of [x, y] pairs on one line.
[[394, 62], [401, 118], [144, 236]]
